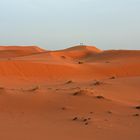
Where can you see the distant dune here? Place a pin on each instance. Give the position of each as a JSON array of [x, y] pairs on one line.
[[16, 51], [77, 63], [78, 93]]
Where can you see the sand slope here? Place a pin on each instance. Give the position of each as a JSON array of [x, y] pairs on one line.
[[80, 93], [16, 51], [87, 63]]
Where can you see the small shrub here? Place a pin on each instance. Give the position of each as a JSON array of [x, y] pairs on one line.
[[75, 118], [97, 83], [80, 92], [137, 107], [113, 77], [86, 123], [136, 115], [69, 82], [63, 108], [1, 88], [107, 62], [99, 97], [33, 89], [80, 62], [63, 57], [109, 112]]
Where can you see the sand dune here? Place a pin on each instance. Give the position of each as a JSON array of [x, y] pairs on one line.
[[22, 48], [16, 51], [80, 93], [87, 63]]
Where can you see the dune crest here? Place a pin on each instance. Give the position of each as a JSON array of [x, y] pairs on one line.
[[29, 48], [84, 47], [78, 62]]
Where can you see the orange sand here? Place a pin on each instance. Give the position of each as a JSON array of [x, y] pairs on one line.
[[79, 93]]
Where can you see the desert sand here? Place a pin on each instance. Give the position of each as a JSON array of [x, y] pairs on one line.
[[79, 93]]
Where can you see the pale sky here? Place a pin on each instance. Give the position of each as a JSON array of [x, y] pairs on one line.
[[57, 24]]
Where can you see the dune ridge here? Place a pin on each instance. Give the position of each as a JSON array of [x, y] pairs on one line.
[[33, 62]]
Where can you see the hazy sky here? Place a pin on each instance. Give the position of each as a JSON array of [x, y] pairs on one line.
[[55, 24]]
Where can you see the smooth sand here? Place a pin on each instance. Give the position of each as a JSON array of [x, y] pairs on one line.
[[79, 93]]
